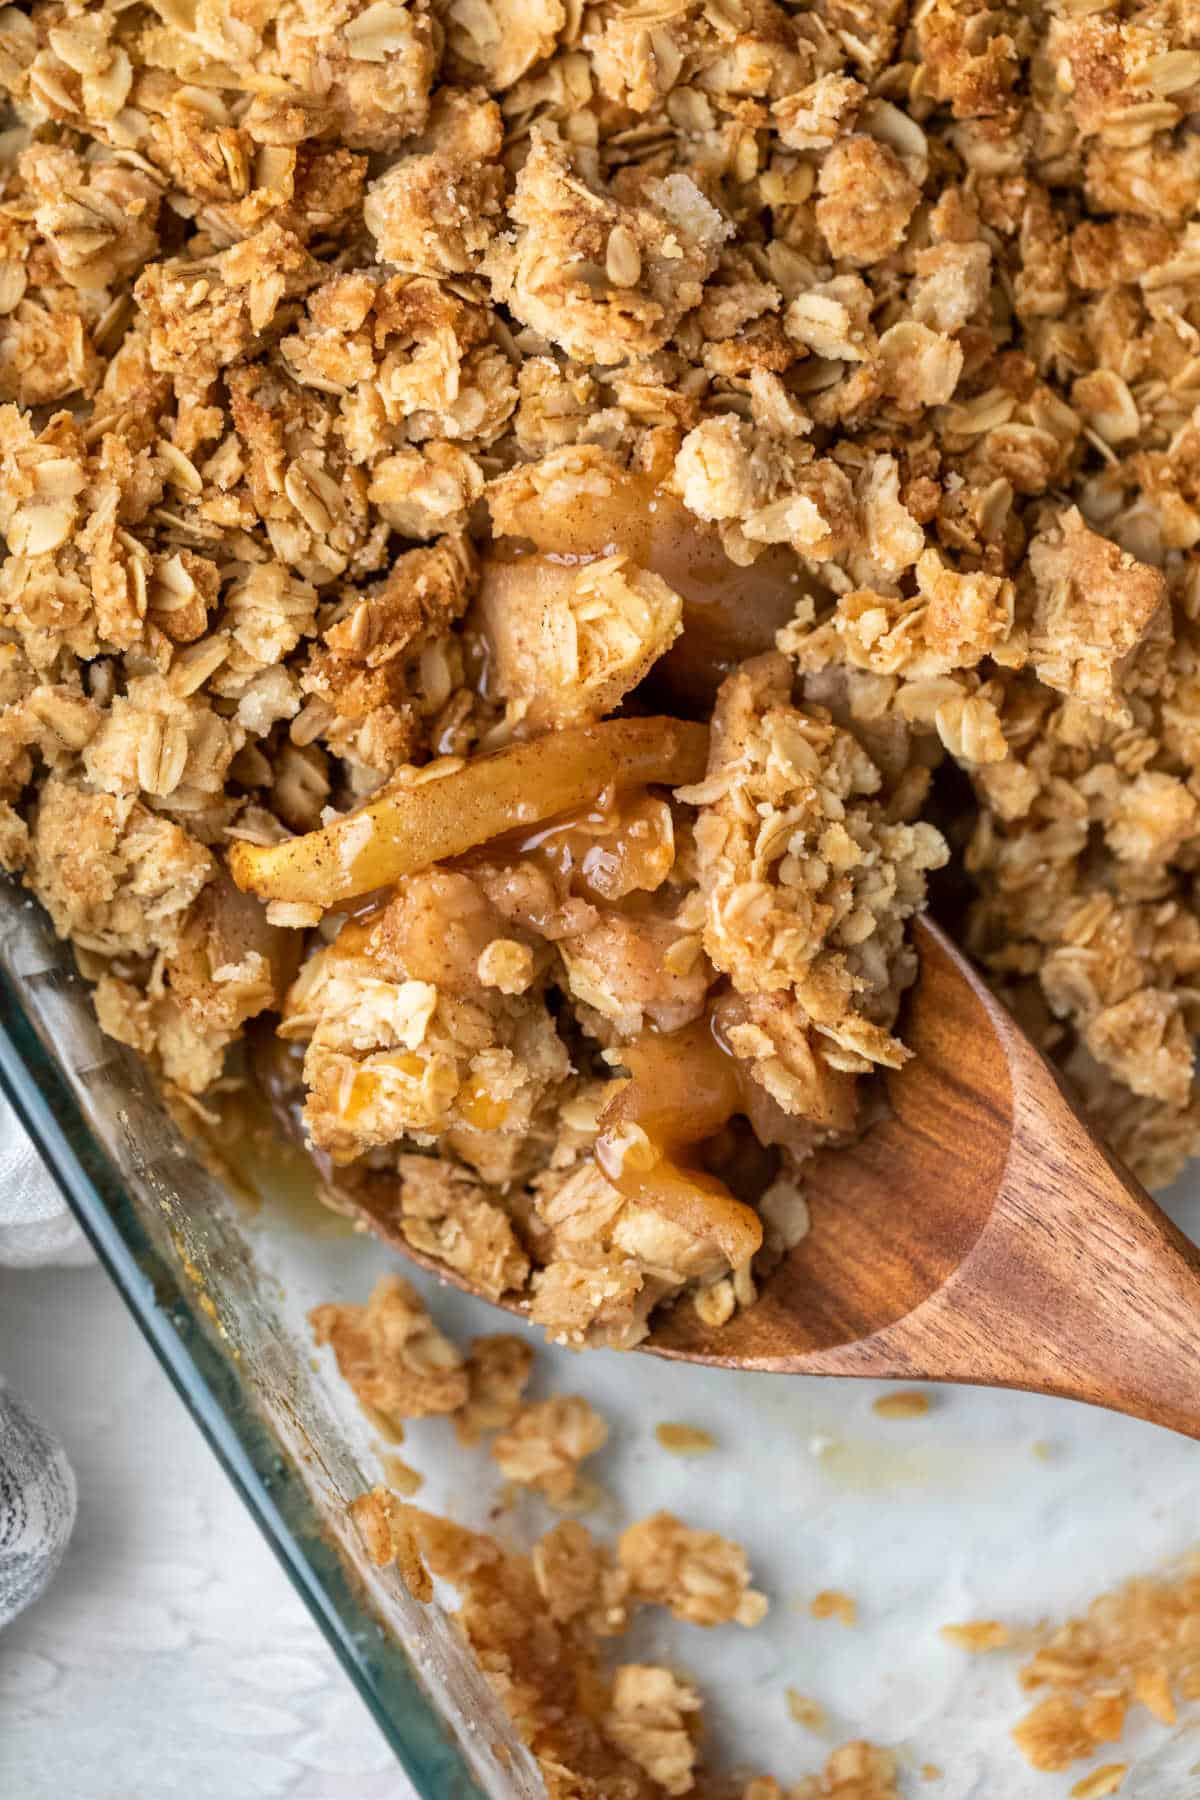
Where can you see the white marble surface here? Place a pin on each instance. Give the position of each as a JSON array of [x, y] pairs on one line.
[[170, 1657]]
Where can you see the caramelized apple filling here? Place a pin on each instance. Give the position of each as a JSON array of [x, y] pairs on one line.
[[548, 534], [443, 809], [620, 843], [683, 1089]]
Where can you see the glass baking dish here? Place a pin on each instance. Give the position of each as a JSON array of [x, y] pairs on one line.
[[177, 1245], [993, 1505]]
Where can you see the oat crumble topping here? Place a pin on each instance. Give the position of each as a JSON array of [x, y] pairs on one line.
[[1135, 1646], [393, 1355], [542, 1623], [384, 386]]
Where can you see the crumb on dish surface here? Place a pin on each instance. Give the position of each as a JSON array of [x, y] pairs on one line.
[[536, 1621], [1133, 1647], [545, 1623], [684, 1440], [832, 1603], [805, 1710], [907, 1403], [539, 1623]]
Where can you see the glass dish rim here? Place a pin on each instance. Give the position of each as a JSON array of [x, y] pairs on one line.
[[36, 1087]]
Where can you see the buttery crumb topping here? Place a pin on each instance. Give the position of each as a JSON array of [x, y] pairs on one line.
[[392, 391]]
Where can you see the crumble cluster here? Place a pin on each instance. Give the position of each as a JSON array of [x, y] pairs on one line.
[[537, 1622], [383, 385], [1135, 1646]]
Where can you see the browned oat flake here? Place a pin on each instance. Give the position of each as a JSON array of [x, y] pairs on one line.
[[908, 1403], [685, 1440], [1102, 1781], [1135, 1646], [978, 1635], [805, 1710]]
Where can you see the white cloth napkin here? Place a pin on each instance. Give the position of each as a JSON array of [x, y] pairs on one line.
[[37, 1486]]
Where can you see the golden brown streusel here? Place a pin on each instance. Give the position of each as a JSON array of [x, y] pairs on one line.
[[386, 385], [431, 380], [538, 1659], [538, 1621], [1134, 1646], [700, 1576], [498, 1367], [537, 1624], [393, 1355], [652, 1718], [545, 1444], [855, 1771]]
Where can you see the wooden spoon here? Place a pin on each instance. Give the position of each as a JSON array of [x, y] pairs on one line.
[[978, 1232]]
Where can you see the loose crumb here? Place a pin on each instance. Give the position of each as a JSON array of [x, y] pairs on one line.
[[806, 1711], [393, 1355], [404, 1480], [388, 1530], [545, 1444], [685, 1440], [498, 1368], [1102, 1781], [856, 1771], [700, 1576], [909, 1403], [1133, 1647], [539, 1623], [978, 1636], [831, 1603]]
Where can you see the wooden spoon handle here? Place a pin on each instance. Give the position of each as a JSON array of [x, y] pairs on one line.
[[1078, 1284]]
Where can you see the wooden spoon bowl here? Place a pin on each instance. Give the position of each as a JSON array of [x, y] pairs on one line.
[[978, 1232]]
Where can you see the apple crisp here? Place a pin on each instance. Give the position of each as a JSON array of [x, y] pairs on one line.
[[533, 529]]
